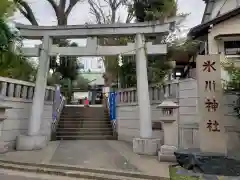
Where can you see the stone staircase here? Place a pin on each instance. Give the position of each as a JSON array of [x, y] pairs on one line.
[[88, 123]]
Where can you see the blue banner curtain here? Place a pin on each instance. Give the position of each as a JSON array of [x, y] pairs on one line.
[[112, 105]]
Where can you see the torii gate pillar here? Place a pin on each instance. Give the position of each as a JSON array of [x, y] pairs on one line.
[[145, 144], [34, 140]]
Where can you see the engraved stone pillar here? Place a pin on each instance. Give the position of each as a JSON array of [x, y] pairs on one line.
[[212, 134]]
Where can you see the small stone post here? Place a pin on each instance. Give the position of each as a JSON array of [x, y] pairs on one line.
[[170, 128]]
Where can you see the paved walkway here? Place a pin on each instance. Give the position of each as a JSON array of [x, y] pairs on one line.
[[115, 155]]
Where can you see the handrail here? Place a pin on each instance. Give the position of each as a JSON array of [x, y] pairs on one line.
[[58, 112]]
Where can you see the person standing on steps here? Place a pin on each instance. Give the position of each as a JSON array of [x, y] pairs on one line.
[[86, 102]]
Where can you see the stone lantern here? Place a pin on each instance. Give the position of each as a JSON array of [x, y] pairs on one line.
[[167, 107], [170, 128]]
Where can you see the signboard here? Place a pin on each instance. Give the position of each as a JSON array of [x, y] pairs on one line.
[[211, 127]]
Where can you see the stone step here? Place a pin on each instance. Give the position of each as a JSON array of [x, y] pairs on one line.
[[69, 133], [76, 172], [86, 129], [86, 137], [83, 112], [62, 131], [83, 118], [82, 107], [84, 125], [90, 121], [85, 109]]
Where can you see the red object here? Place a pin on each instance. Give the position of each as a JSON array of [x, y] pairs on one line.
[[86, 102]]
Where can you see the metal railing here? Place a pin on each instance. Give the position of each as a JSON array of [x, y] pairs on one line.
[[57, 114]]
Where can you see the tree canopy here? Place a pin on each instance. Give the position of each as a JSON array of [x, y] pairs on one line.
[[7, 8], [151, 10], [12, 63]]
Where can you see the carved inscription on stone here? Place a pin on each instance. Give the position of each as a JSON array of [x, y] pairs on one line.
[[212, 137], [213, 126], [210, 86], [209, 66], [211, 104]]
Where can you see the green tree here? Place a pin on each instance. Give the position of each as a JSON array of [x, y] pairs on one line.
[[232, 83], [158, 66], [7, 8], [151, 10], [12, 63], [16, 66]]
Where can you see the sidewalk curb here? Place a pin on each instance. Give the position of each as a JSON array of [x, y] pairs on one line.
[[75, 171]]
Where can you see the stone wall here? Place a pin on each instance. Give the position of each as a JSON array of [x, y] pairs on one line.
[[128, 125], [187, 116], [18, 95]]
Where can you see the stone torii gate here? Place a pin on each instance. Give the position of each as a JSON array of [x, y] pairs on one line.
[[145, 144]]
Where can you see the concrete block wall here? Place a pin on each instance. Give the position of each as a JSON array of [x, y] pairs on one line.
[[20, 103], [128, 125], [186, 116], [189, 117]]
